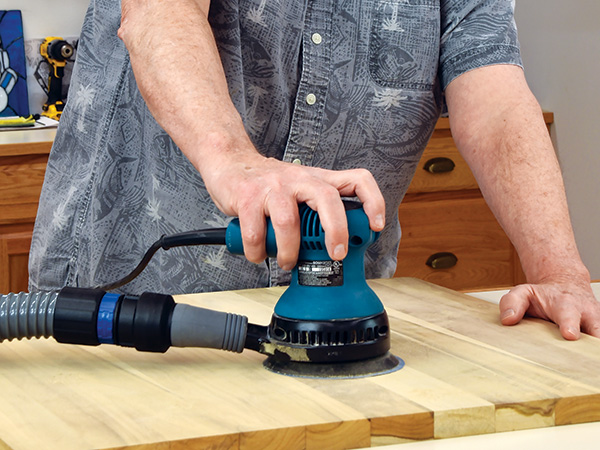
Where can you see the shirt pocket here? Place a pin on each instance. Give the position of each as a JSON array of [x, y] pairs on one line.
[[404, 43]]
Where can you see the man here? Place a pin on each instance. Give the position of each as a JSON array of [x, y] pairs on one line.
[[247, 108]]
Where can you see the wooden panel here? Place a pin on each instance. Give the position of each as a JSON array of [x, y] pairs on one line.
[[21, 179], [26, 148], [462, 225], [465, 374], [14, 259]]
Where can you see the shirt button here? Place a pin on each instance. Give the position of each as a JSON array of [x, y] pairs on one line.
[[297, 161], [317, 38], [311, 99]]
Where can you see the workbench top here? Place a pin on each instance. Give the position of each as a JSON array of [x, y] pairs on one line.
[[465, 374]]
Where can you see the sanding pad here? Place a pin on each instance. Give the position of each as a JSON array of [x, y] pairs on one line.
[[379, 365]]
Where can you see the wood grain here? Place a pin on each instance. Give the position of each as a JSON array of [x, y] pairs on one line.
[[465, 374], [14, 256], [463, 225], [21, 179]]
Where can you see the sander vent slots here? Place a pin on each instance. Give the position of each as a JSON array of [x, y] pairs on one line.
[[311, 230], [332, 340], [338, 337]]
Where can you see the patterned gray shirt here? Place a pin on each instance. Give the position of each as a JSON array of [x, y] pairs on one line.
[[327, 83]]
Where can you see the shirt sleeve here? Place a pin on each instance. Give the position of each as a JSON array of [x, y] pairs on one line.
[[476, 33]]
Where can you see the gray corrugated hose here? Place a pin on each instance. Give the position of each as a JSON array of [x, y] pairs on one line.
[[27, 315]]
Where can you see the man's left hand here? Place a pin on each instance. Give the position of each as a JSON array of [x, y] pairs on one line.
[[568, 303]]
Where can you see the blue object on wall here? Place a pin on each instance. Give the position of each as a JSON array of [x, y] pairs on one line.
[[13, 82]]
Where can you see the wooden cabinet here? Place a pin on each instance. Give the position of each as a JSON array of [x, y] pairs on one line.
[[22, 168], [449, 235]]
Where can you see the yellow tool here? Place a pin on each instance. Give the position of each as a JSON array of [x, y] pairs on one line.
[[17, 121], [56, 51]]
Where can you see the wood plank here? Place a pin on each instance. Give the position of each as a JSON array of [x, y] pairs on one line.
[[21, 179], [465, 374], [14, 261]]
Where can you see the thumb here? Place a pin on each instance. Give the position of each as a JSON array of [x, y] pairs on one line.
[[514, 305]]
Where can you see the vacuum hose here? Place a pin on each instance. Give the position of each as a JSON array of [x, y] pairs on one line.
[[150, 322], [27, 315]]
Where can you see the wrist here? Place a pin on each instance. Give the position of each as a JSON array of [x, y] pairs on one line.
[[575, 271]]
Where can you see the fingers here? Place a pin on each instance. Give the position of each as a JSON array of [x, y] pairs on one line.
[[327, 202], [514, 305], [569, 324], [590, 320], [572, 307], [286, 224], [524, 298], [253, 227], [360, 182], [332, 216], [270, 188]]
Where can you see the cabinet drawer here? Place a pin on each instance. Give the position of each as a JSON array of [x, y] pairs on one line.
[[464, 227], [14, 256], [441, 167], [21, 179]]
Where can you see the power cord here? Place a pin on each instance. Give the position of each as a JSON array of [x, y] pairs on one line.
[[209, 236]]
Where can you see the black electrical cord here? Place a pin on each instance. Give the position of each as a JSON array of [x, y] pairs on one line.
[[210, 236]]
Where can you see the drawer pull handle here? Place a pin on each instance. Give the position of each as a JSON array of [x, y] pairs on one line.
[[439, 165], [443, 260]]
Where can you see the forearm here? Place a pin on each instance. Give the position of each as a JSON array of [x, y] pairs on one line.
[[501, 133], [180, 76]]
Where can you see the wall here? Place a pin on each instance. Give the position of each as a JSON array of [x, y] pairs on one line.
[[560, 44], [43, 18]]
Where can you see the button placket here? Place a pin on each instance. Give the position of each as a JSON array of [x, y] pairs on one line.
[[314, 82], [309, 107]]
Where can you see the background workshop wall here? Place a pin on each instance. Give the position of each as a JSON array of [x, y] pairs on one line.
[[560, 43], [42, 18]]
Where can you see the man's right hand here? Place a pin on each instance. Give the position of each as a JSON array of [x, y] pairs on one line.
[[253, 187]]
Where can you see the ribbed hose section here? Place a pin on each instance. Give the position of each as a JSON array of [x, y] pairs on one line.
[[235, 333], [27, 315]]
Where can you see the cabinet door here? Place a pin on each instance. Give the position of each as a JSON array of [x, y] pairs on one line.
[[14, 257], [21, 179], [455, 242]]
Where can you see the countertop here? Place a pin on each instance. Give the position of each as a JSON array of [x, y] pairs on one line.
[[465, 375], [28, 135], [581, 436]]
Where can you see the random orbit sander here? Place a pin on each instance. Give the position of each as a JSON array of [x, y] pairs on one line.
[[327, 323]]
